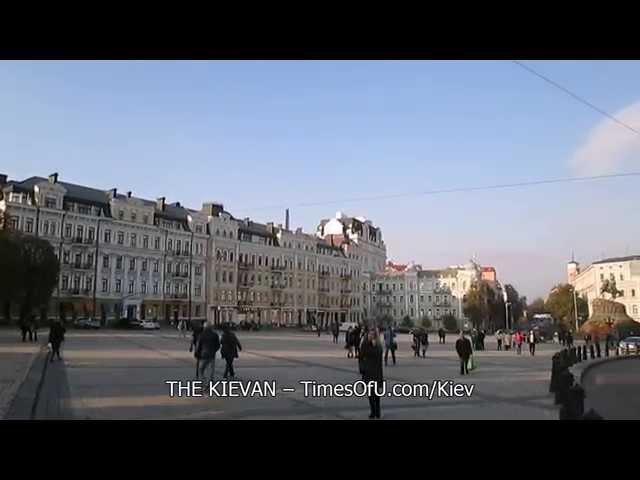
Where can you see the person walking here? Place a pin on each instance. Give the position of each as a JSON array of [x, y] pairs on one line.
[[318, 328], [56, 337], [356, 339], [499, 338], [24, 329], [33, 329], [569, 339], [424, 341], [533, 339], [390, 344], [229, 350], [182, 328], [336, 332], [519, 341], [416, 342], [207, 346], [348, 342], [370, 362], [507, 339], [464, 351]]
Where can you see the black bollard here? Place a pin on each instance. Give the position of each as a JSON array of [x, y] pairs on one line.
[[592, 415], [575, 402], [574, 357], [592, 351], [554, 372], [606, 349], [617, 352], [584, 352], [565, 381], [598, 350], [579, 354]]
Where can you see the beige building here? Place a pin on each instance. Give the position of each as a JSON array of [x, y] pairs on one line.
[[624, 270]]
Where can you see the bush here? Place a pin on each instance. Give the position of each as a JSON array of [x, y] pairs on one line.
[[426, 322], [406, 322], [450, 323]]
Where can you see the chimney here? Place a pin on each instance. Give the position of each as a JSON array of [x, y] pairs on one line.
[[286, 220], [212, 209], [160, 203], [128, 194], [178, 204], [3, 179], [113, 192], [53, 178]]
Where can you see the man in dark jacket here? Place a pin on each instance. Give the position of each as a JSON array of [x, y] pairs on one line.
[[371, 369], [336, 331], [56, 337], [229, 350], [463, 348], [356, 339], [208, 345]]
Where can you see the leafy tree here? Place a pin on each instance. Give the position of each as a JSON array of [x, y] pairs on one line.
[[560, 304], [450, 322], [425, 322], [385, 320], [480, 303], [536, 307], [516, 302], [406, 322]]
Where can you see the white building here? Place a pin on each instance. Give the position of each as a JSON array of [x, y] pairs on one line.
[[624, 270]]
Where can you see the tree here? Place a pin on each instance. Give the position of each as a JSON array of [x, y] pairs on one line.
[[425, 322], [29, 271], [480, 303], [516, 306], [385, 320], [406, 322], [450, 322], [560, 304], [536, 307]]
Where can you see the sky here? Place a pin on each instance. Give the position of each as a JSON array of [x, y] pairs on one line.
[[262, 135]]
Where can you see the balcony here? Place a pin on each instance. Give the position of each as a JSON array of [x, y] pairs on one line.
[[278, 286], [246, 285], [245, 265], [324, 290], [345, 276], [346, 290], [89, 241], [77, 240], [244, 303], [179, 295], [278, 304], [323, 273], [278, 268]]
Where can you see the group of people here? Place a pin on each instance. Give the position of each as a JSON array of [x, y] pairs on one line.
[[420, 342], [565, 338], [353, 337], [514, 341], [205, 343], [478, 339], [29, 327]]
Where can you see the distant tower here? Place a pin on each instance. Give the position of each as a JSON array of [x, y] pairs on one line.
[[573, 269], [286, 220]]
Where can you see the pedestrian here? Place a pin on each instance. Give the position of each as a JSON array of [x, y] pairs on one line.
[[425, 343], [348, 342], [569, 339], [416, 342], [464, 351], [318, 329], [24, 329], [370, 363], [556, 338], [336, 332], [182, 328], [521, 340], [33, 329], [390, 344], [197, 330], [229, 350], [56, 337], [207, 346], [356, 339], [499, 338], [483, 334], [533, 339]]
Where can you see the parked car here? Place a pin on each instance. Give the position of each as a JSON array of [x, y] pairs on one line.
[[344, 326], [149, 325], [630, 344], [134, 323], [89, 323]]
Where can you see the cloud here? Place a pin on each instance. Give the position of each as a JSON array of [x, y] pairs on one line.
[[610, 147]]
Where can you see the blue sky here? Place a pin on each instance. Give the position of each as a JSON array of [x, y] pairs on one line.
[[259, 134]]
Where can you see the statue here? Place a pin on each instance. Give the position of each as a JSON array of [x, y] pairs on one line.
[[609, 317]]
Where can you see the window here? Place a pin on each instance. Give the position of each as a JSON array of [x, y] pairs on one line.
[[133, 216], [156, 243], [144, 265], [185, 268], [401, 299], [622, 293], [107, 236], [230, 277], [198, 269], [217, 276], [29, 225], [119, 263], [91, 232], [120, 238], [145, 241], [170, 244], [621, 278], [90, 259], [65, 282], [612, 276], [67, 230], [168, 267], [156, 266], [79, 232], [45, 227], [231, 257], [186, 248], [88, 284], [224, 276], [131, 286], [602, 277], [65, 257], [118, 285], [53, 228], [105, 285], [178, 245], [421, 298], [134, 240], [143, 287], [78, 260], [145, 219], [155, 288], [132, 264], [120, 214], [411, 301], [198, 228], [198, 292], [50, 202], [633, 292]]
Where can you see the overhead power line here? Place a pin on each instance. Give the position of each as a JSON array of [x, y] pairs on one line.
[[577, 97], [443, 191]]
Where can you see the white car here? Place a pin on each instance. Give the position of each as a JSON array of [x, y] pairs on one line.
[[344, 326], [149, 325]]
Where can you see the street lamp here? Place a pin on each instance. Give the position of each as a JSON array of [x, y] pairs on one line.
[[575, 308]]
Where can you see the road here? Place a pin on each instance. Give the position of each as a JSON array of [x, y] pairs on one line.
[[123, 374]]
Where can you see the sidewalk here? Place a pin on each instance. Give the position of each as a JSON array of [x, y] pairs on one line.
[[16, 359]]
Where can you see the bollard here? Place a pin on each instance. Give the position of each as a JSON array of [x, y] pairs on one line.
[[627, 349], [606, 349], [592, 351], [565, 381], [554, 373], [575, 402], [617, 352], [584, 352], [579, 356], [592, 415]]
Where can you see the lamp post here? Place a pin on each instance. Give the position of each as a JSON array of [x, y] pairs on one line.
[[575, 308]]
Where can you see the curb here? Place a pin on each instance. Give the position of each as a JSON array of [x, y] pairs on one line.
[[580, 369], [12, 391]]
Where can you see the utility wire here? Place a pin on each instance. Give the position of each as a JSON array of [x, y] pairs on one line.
[[577, 97], [449, 190]]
